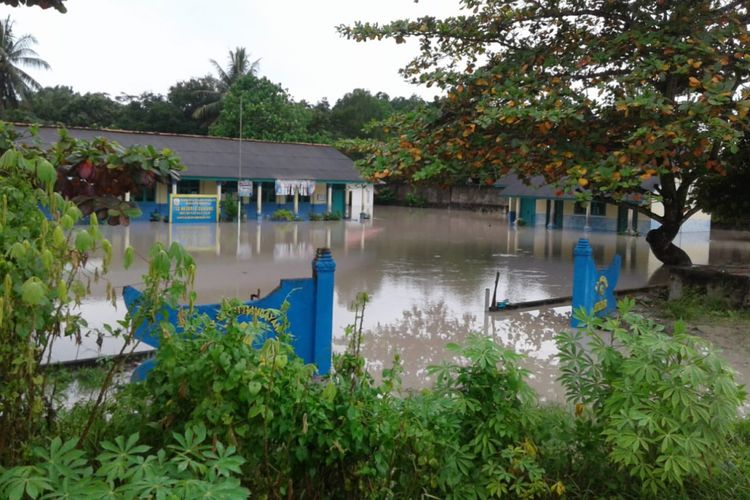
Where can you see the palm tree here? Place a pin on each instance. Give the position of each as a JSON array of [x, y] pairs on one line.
[[239, 66], [15, 52]]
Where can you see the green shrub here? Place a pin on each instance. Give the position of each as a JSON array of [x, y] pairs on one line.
[[663, 405], [283, 215], [190, 467], [414, 199], [42, 263], [332, 216], [384, 195], [229, 209], [325, 216]]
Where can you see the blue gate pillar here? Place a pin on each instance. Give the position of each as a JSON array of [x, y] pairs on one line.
[[323, 270], [593, 289]]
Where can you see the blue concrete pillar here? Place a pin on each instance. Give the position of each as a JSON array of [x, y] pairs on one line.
[[324, 268], [593, 289], [583, 278]]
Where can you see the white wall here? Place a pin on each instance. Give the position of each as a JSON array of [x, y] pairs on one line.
[[362, 199]]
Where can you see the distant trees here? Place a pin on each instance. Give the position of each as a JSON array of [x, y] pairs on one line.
[[152, 113], [201, 105], [62, 105], [16, 52]]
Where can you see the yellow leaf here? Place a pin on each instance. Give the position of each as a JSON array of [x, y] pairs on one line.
[[694, 82]]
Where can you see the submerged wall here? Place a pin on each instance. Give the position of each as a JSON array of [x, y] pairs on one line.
[[470, 197]]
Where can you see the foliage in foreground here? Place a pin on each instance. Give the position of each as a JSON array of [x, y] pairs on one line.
[[663, 404], [47, 271], [653, 414], [189, 468]]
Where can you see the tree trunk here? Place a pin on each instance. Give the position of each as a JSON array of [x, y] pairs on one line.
[[660, 241]]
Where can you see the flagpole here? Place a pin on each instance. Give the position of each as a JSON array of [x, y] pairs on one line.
[[239, 177]]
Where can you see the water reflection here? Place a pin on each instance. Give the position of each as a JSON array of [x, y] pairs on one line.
[[426, 271]]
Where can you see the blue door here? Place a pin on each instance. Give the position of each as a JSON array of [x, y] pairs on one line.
[[528, 211], [338, 204]]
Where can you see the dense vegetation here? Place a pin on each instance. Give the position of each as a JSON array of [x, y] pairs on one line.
[[230, 410]]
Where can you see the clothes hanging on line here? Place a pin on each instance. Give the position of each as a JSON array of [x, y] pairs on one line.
[[288, 187]]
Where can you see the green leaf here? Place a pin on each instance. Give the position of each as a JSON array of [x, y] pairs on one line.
[[34, 292], [128, 256], [45, 172], [9, 159], [84, 242]]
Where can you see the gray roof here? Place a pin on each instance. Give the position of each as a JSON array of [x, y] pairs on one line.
[[217, 157], [536, 188]]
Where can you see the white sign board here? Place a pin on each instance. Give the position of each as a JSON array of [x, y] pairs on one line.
[[245, 188]]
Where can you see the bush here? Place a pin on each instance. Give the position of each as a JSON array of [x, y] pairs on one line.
[[229, 209], [325, 216], [283, 215], [663, 405], [414, 199], [384, 195]]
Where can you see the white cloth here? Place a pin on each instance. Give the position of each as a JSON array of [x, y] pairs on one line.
[[287, 187]]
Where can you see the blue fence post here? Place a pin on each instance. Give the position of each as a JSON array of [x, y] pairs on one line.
[[583, 278], [324, 268], [593, 289]]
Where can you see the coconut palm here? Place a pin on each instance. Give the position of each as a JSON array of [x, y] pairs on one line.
[[239, 66], [15, 52]]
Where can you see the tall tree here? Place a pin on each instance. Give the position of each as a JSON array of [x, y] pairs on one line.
[[190, 95], [355, 110], [16, 52], [238, 67], [269, 112], [597, 95]]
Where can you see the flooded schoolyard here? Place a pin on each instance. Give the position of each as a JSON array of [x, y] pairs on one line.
[[425, 271]]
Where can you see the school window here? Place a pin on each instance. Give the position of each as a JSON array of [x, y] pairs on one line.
[[147, 194], [598, 208], [189, 187]]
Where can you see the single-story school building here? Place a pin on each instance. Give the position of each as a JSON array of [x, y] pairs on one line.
[[302, 178], [539, 204]]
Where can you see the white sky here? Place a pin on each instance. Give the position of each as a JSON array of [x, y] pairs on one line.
[[133, 46]]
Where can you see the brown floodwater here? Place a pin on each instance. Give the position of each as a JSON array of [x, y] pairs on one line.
[[425, 271]]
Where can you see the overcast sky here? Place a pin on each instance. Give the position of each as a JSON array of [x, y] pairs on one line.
[[135, 46]]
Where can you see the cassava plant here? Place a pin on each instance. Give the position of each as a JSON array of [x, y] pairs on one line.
[[189, 467], [663, 404]]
